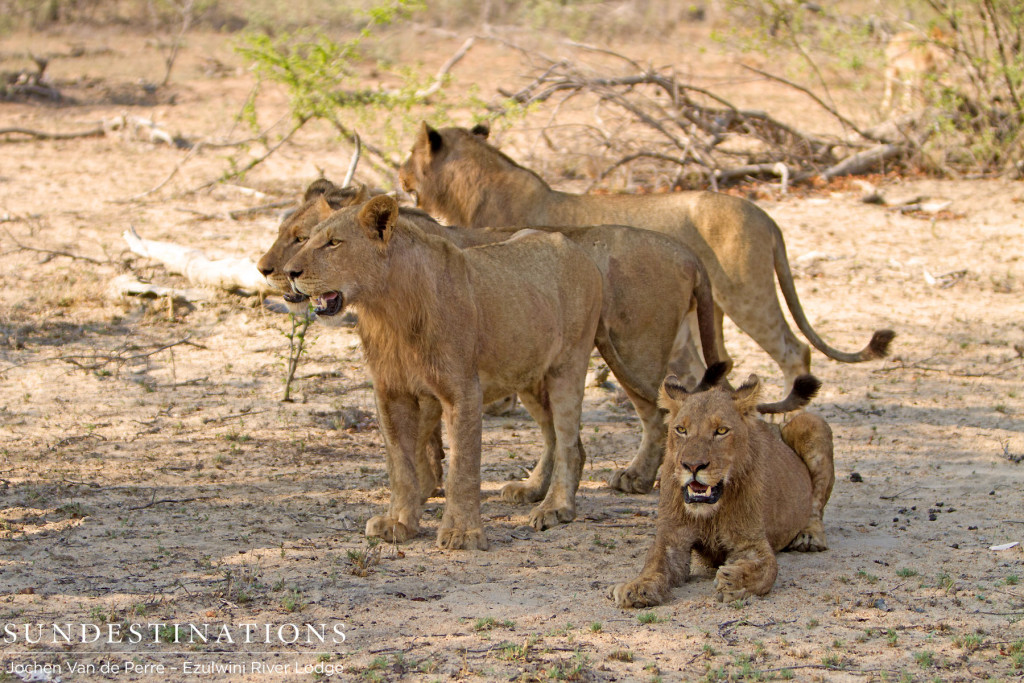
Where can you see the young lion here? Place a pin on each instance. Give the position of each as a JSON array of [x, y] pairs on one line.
[[463, 326], [321, 199], [734, 490], [651, 283], [457, 176]]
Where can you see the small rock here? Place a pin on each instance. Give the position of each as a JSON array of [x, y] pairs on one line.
[[856, 478], [880, 605]]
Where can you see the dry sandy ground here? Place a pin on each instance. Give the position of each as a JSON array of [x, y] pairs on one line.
[[144, 484]]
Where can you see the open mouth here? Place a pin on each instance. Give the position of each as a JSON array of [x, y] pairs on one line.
[[295, 297], [696, 492], [328, 304]]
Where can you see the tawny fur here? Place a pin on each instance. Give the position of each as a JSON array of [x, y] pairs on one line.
[[650, 283], [774, 487], [910, 58], [462, 326], [321, 199], [456, 175]]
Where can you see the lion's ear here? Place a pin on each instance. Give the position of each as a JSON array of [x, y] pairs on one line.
[[378, 217], [348, 196], [481, 130], [671, 395], [745, 398], [431, 138], [320, 186], [323, 208], [362, 194]]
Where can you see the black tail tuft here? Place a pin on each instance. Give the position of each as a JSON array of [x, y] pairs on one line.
[[713, 376], [879, 344], [806, 387]]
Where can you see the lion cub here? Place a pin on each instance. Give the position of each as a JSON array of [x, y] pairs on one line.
[[462, 326], [733, 489]]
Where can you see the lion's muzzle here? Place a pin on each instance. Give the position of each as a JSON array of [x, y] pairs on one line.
[[696, 492], [328, 304]]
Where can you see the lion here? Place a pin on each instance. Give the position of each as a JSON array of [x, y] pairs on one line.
[[910, 58], [734, 489], [321, 199], [650, 285], [462, 326], [456, 175]]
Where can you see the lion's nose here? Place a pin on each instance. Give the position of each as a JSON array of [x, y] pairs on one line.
[[265, 271], [294, 274], [695, 468]]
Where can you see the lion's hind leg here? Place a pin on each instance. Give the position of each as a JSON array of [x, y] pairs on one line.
[[565, 397], [811, 438], [534, 487]]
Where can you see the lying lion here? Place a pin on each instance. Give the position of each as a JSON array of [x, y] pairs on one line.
[[651, 283], [733, 490], [463, 326], [458, 176]]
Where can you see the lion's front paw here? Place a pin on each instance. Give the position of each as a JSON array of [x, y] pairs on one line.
[[544, 517], [454, 538], [519, 492], [733, 582], [389, 528], [636, 593], [810, 540], [630, 480]]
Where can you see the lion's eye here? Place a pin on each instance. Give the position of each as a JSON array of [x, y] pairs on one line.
[[680, 430], [299, 240], [721, 431], [337, 242]]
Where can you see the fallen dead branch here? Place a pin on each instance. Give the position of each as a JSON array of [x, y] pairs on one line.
[[230, 274], [126, 285], [651, 119], [97, 131]]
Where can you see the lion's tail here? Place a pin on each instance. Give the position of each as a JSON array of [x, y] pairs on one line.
[[805, 387], [706, 319], [878, 347]]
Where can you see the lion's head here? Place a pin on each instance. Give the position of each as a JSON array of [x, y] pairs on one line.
[[707, 450], [321, 199], [344, 257], [441, 161]]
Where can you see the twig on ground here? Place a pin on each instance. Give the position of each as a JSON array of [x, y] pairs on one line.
[[898, 494], [167, 500], [208, 420], [53, 252], [99, 131], [102, 360]]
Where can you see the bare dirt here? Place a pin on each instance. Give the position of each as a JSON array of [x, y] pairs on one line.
[[149, 473]]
